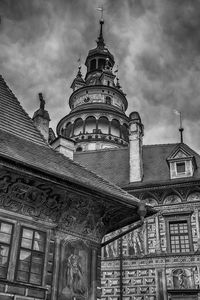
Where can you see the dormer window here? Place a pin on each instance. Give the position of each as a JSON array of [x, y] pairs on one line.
[[180, 168], [181, 162]]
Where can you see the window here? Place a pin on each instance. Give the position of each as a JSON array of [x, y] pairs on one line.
[[108, 100], [5, 243], [31, 256], [180, 167], [179, 237]]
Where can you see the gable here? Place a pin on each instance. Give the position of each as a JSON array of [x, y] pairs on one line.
[[180, 152]]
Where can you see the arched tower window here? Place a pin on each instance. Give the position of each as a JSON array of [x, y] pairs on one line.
[[90, 125], [79, 149], [124, 130], [103, 125], [101, 63], [78, 126], [68, 130], [93, 65], [115, 127]]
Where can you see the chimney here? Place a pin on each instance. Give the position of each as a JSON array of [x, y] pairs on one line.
[[65, 146], [136, 129], [41, 118]]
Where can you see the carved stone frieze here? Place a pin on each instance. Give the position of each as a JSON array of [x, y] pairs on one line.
[[70, 211], [22, 195]]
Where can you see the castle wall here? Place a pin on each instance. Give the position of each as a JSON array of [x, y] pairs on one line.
[[148, 265]]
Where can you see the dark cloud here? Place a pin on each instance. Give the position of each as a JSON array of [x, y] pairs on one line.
[[156, 44]]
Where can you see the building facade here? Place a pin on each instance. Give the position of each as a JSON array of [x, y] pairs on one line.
[[53, 212], [160, 260]]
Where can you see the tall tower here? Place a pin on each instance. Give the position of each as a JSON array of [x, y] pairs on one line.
[[97, 119]]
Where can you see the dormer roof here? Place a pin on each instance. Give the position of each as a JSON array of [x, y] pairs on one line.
[[181, 151]]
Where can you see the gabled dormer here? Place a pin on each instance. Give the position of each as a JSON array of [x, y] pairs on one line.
[[181, 162]]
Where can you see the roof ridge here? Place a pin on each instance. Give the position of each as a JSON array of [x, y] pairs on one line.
[[23, 110]]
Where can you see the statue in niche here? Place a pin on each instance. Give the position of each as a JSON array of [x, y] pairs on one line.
[[136, 242], [74, 274], [183, 279]]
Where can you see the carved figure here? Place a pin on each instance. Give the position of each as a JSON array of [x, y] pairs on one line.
[[183, 279], [75, 274]]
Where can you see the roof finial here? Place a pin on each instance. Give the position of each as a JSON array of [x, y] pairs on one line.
[[42, 101], [100, 42], [181, 129], [79, 74]]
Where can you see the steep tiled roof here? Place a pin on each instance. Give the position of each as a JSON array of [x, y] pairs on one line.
[[21, 142], [113, 164], [14, 119]]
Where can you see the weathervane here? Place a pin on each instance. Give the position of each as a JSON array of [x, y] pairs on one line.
[[181, 129], [101, 9]]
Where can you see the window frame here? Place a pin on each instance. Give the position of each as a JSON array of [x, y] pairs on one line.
[[8, 245], [32, 251], [177, 217], [180, 163]]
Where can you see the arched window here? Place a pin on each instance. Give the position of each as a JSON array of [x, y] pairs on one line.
[[68, 130], [93, 65], [78, 126], [124, 130], [103, 125], [101, 63], [115, 128], [90, 125], [79, 149]]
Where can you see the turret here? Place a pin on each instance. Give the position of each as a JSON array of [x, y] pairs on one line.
[[136, 130], [97, 119]]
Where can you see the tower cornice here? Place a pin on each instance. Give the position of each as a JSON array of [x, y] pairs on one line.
[[100, 88]]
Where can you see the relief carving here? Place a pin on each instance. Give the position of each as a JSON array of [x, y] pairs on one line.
[[20, 196], [183, 279]]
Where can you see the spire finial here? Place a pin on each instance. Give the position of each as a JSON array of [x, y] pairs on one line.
[[42, 101], [181, 129], [100, 42], [79, 74]]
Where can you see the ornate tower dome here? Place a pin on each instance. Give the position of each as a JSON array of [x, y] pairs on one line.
[[97, 119]]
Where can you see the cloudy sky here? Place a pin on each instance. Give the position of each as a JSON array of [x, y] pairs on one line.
[[156, 44]]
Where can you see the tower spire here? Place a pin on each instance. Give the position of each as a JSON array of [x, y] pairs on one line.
[[181, 129], [100, 41]]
